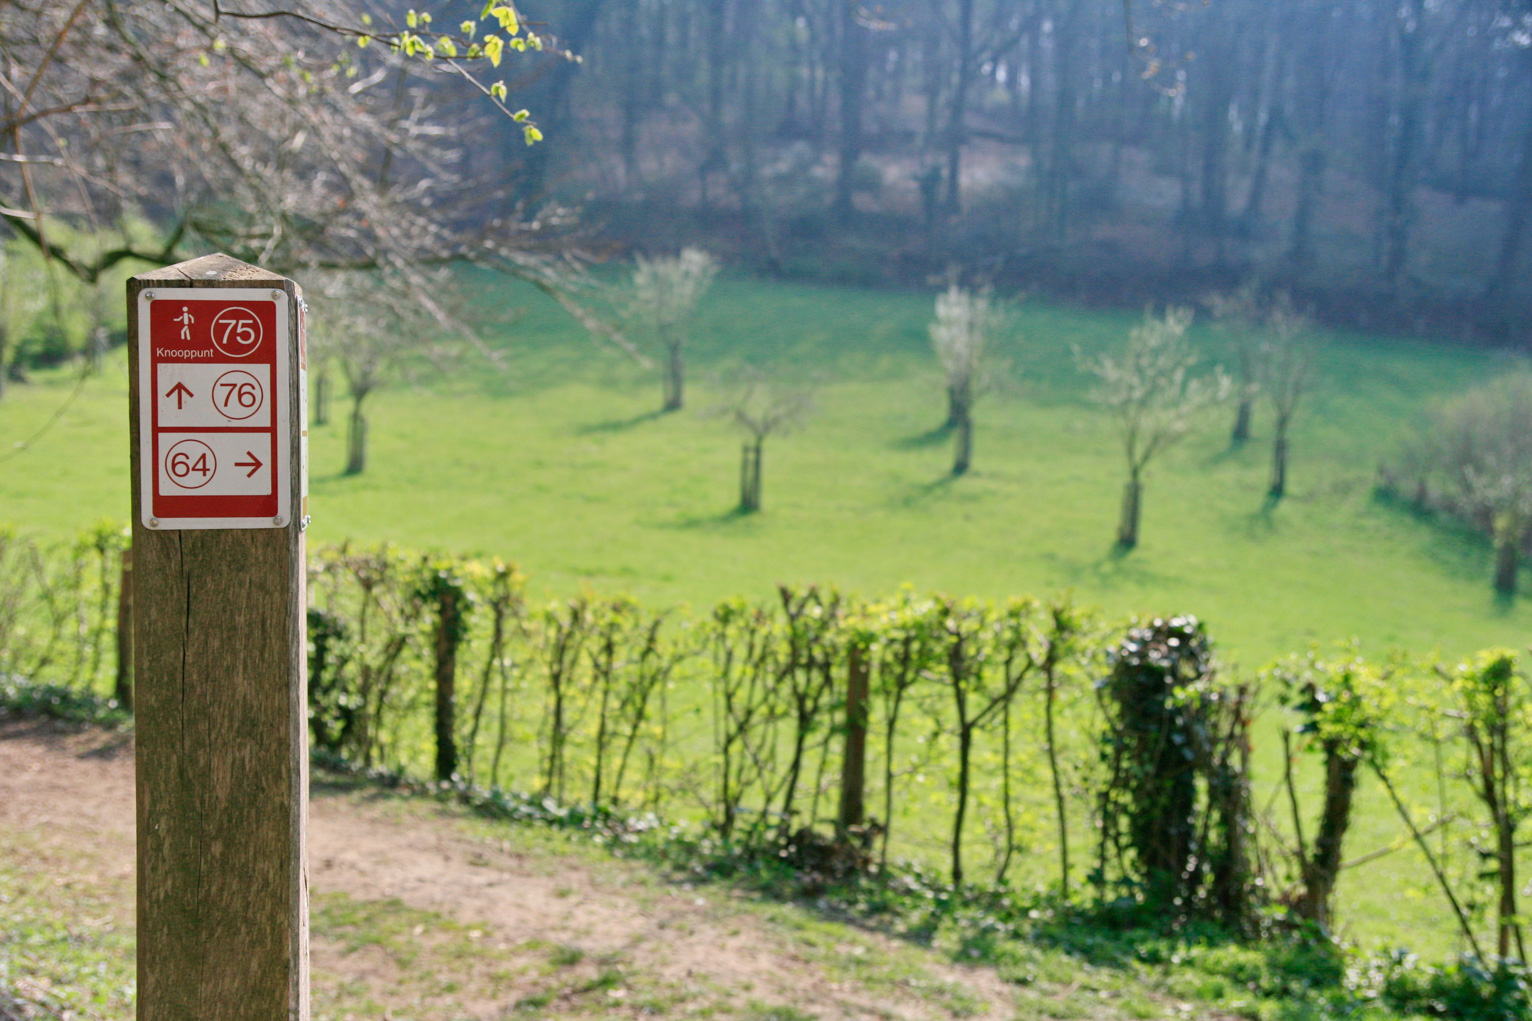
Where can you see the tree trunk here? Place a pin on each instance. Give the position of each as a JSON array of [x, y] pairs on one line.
[[356, 441], [675, 375], [1250, 218], [965, 754], [1279, 463], [1242, 415], [1060, 154], [1312, 71], [1399, 205], [958, 113], [1507, 556], [1518, 205], [1323, 867], [577, 25], [748, 175], [1505, 855], [755, 474], [963, 455], [1271, 81], [853, 776], [322, 398], [1311, 174], [448, 635], [1127, 528], [714, 158], [853, 82], [1214, 172], [1050, 673], [750, 475], [633, 97], [122, 689]]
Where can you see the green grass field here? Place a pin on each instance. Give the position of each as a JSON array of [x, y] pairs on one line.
[[555, 460]]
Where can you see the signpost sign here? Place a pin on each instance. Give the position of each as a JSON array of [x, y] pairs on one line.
[[213, 401], [218, 438]]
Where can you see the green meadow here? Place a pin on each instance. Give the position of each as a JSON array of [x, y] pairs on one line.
[[553, 456]]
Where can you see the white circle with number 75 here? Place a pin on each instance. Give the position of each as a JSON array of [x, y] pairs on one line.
[[237, 395], [191, 464], [236, 332]]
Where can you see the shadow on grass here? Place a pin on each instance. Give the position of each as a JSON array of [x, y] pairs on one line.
[[1263, 520], [1233, 452], [927, 490], [703, 521], [1118, 565], [617, 425], [920, 441], [1451, 544]]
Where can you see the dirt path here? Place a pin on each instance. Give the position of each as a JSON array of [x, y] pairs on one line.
[[421, 913]]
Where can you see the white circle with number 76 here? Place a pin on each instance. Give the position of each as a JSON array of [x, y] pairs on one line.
[[236, 332], [237, 395]]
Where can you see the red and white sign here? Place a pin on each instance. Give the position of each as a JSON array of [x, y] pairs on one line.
[[215, 429]]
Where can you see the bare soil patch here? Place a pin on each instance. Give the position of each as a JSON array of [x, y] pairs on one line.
[[421, 911]]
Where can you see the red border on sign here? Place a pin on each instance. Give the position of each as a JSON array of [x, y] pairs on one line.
[[166, 347]]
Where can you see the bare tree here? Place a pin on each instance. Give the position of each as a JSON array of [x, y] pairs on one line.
[[1238, 315], [966, 323], [371, 326], [1153, 398], [267, 133], [760, 407], [1284, 365], [664, 295], [1475, 451], [23, 295]]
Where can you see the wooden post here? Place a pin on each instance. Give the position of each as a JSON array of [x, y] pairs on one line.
[[853, 777], [449, 621], [219, 652]]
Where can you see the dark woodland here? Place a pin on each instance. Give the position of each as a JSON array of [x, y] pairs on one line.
[[1373, 157]]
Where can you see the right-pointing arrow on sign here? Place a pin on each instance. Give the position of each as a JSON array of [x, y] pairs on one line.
[[254, 464]]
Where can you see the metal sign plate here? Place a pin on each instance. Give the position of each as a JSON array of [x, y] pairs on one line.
[[215, 435]]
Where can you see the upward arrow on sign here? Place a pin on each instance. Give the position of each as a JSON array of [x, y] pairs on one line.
[[180, 393]]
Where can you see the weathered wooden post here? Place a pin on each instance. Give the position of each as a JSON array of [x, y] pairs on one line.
[[853, 778], [218, 423]]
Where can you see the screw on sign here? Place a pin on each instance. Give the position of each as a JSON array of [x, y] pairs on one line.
[[213, 409]]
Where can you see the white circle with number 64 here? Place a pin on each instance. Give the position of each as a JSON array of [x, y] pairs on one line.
[[191, 464], [237, 395], [236, 332]]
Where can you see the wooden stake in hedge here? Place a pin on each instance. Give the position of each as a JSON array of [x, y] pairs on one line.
[[853, 780], [218, 443]]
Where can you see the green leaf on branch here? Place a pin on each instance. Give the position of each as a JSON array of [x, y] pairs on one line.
[[469, 28], [507, 18], [521, 115], [445, 47], [498, 91], [494, 46], [533, 136]]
